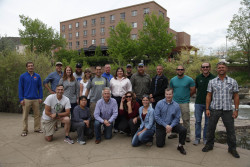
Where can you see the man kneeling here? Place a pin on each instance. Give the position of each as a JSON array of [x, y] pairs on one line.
[[167, 117], [54, 105]]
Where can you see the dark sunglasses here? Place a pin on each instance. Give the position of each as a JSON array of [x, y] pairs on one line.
[[128, 96], [205, 67], [180, 69]]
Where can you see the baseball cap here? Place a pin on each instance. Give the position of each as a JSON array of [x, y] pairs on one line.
[[129, 65], [78, 65], [140, 64], [59, 63]]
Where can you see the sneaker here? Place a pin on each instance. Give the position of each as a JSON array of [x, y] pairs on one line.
[[196, 142], [234, 153], [68, 140], [116, 131], [188, 139], [182, 150], [172, 136], [121, 132], [207, 148], [204, 142], [81, 142]]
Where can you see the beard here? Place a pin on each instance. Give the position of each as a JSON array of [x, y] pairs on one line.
[[78, 72]]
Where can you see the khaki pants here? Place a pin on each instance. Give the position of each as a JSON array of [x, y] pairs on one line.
[[26, 108], [92, 109], [185, 114]]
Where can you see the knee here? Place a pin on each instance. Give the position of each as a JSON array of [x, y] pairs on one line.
[[66, 120], [183, 130], [97, 123]]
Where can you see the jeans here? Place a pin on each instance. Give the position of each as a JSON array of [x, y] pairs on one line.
[[146, 136], [199, 109], [107, 130], [228, 122]]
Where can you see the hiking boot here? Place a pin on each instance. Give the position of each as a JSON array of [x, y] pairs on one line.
[[182, 150], [207, 148], [234, 153], [172, 136]]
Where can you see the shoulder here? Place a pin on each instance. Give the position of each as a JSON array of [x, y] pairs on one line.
[[65, 98]]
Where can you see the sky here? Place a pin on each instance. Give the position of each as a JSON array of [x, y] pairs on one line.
[[205, 20]]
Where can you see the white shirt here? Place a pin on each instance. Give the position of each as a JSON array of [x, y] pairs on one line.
[[56, 106], [120, 87], [84, 87]]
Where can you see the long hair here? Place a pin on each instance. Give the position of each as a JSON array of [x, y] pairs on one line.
[[84, 78], [119, 68], [132, 102], [72, 78]]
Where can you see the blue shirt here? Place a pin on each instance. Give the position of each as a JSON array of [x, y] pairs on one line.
[[53, 78], [106, 110], [167, 113], [30, 87], [181, 88], [149, 121], [108, 76]]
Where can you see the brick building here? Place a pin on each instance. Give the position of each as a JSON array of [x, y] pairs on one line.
[[93, 30]]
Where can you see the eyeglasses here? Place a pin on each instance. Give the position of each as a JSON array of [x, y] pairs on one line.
[[128, 96], [205, 67], [180, 69]]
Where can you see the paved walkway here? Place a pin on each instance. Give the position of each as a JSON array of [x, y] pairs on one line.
[[33, 151]]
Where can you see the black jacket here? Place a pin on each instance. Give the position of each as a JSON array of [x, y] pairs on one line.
[[162, 84]]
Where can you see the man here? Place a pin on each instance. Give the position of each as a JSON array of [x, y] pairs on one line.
[[30, 95], [184, 88], [53, 78], [54, 105], [78, 74], [96, 86], [167, 117], [201, 83], [140, 83], [107, 74], [106, 112], [220, 92], [129, 71], [158, 85]]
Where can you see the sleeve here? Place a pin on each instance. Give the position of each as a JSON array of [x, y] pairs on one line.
[[171, 84], [89, 84], [48, 79], [176, 119], [77, 88], [192, 84], [209, 86], [135, 111], [132, 80], [196, 82], [67, 105], [115, 112], [235, 87], [152, 86], [142, 122], [129, 85], [97, 112], [89, 115], [151, 119], [60, 81], [40, 88], [157, 115], [20, 89], [76, 115]]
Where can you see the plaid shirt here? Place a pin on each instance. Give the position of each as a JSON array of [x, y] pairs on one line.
[[222, 92]]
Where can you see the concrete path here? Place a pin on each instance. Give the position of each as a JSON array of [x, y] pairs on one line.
[[34, 151]]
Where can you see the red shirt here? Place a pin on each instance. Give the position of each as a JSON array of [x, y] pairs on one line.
[[135, 111]]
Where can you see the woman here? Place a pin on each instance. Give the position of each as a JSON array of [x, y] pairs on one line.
[[129, 110], [83, 84], [81, 120], [147, 128], [71, 87], [119, 85]]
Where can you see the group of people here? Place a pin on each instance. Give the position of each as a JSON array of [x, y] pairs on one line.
[[133, 104]]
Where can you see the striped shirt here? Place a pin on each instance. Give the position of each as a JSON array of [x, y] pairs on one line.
[[222, 92]]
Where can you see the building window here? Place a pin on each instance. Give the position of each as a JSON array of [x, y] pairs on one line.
[[70, 26], [77, 24], [134, 13], [102, 30], [63, 28], [64, 36], [85, 23], [93, 32], [112, 18], [85, 42], [134, 25], [122, 15], [93, 41], [133, 36], [102, 20], [77, 44], [77, 34], [70, 35], [161, 13], [93, 22], [70, 45], [85, 33], [112, 27], [145, 23], [102, 40], [146, 11]]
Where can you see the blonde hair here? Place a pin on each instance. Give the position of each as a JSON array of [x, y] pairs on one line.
[[84, 78]]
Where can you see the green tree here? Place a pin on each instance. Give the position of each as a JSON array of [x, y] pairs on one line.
[[98, 51], [6, 44], [238, 30], [154, 39], [121, 47], [38, 37], [235, 55]]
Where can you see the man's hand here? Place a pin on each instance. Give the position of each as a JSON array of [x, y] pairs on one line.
[[235, 114], [106, 122], [208, 113], [53, 116], [40, 101], [168, 129], [87, 123], [22, 102]]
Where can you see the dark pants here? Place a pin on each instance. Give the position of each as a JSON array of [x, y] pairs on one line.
[[73, 105], [161, 134], [117, 120], [107, 130], [81, 129], [128, 126], [228, 122]]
